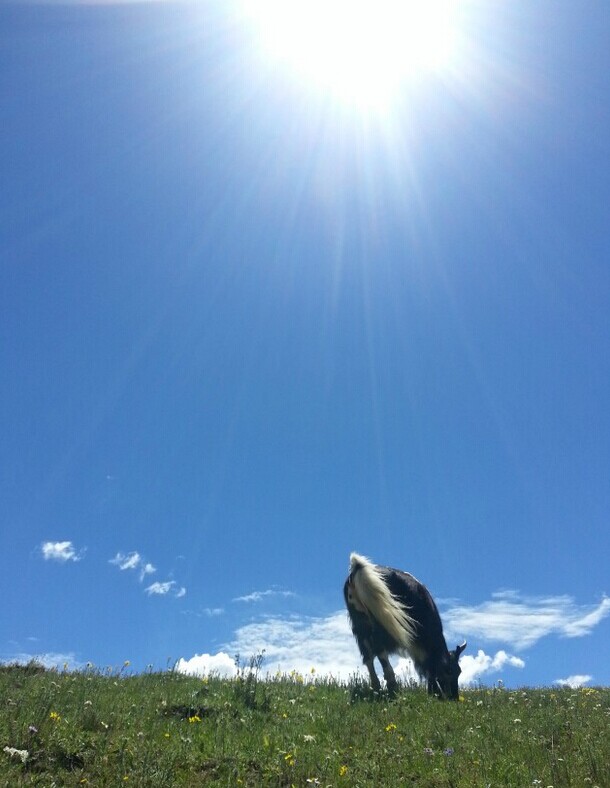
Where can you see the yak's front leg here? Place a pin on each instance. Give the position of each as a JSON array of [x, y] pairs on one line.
[[388, 673], [368, 658], [375, 684]]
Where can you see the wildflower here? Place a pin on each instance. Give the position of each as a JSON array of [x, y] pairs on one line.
[[342, 770], [428, 751], [55, 716], [448, 751], [517, 720], [14, 752], [312, 781], [195, 718], [308, 737], [312, 671], [126, 664], [32, 729], [166, 735], [391, 727], [289, 758]]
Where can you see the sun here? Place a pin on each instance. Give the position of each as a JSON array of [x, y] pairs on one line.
[[362, 52]]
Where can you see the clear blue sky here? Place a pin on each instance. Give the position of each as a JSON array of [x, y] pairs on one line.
[[246, 328]]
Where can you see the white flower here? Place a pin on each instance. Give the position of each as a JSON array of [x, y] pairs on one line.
[[13, 751]]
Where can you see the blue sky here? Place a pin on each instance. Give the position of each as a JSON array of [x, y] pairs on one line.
[[249, 325]]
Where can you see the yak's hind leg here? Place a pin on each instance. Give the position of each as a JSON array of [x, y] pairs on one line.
[[388, 673]]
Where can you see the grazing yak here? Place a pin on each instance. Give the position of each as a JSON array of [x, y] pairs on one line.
[[391, 612]]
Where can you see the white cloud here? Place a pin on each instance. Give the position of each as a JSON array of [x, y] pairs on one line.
[[523, 621], [473, 667], [220, 664], [60, 551], [298, 643], [161, 589], [574, 681], [256, 596], [129, 561]]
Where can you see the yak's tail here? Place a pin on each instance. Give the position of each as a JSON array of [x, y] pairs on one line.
[[373, 594]]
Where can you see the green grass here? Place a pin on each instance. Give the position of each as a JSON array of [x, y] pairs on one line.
[[112, 728]]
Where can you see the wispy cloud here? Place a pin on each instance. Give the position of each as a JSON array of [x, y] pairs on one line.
[[522, 621], [135, 561], [146, 569], [574, 682], [60, 551], [129, 561], [257, 596], [168, 587], [50, 659]]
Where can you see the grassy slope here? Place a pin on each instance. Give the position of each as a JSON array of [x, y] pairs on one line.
[[161, 729]]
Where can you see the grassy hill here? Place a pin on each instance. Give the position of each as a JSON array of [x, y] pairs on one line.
[[111, 728]]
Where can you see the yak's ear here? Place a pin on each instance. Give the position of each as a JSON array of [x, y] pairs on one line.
[[459, 650]]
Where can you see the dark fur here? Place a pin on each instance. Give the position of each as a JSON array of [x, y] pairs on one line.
[[414, 627]]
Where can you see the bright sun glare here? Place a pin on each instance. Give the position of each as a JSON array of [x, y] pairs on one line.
[[363, 52]]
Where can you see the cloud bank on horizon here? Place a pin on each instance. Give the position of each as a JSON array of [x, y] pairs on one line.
[[326, 644], [316, 647]]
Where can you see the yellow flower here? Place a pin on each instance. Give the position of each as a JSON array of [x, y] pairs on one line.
[[55, 716], [391, 727], [195, 718], [166, 735], [342, 770]]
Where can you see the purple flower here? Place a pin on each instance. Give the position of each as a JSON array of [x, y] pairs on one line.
[[448, 751]]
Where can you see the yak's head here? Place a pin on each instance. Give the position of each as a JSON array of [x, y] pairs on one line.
[[447, 675]]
